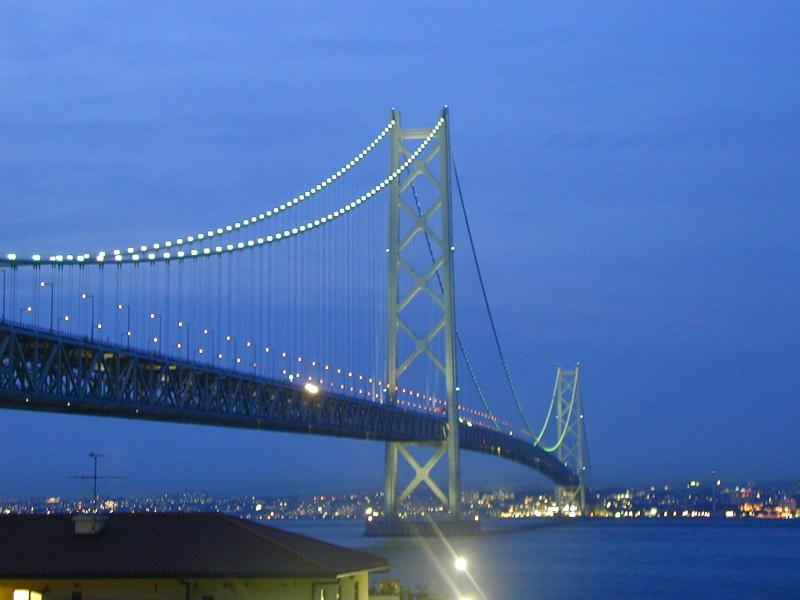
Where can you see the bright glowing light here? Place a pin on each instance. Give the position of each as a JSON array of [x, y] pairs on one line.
[[311, 388], [461, 564]]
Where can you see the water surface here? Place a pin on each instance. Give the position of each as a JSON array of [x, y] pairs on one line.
[[596, 559]]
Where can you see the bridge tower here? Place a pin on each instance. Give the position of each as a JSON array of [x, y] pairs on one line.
[[409, 224], [572, 451]]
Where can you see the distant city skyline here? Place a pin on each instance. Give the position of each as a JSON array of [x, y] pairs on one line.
[[630, 175], [692, 500]]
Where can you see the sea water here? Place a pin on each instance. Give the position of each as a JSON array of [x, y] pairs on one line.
[[576, 559]]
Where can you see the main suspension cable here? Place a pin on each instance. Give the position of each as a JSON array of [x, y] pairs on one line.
[[486, 300], [164, 255], [458, 337], [217, 232], [565, 428], [539, 437]]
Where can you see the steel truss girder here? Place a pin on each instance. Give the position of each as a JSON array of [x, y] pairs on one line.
[[55, 373], [39, 371]]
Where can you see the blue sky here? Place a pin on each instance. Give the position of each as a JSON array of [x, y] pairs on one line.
[[631, 171]]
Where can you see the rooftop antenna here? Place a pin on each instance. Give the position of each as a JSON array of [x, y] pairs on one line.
[[95, 456]]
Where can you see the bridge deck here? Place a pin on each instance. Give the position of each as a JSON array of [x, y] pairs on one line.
[[56, 373]]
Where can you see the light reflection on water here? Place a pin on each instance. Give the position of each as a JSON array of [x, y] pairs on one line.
[[597, 559]]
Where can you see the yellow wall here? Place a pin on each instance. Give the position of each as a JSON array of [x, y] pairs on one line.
[[172, 589]]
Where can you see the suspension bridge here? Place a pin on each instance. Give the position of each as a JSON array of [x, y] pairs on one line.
[[303, 316]]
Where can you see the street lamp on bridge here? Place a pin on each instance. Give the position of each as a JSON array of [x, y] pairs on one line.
[[183, 325], [157, 339], [250, 344], [232, 339], [210, 333], [46, 284], [128, 331], [25, 309], [85, 296]]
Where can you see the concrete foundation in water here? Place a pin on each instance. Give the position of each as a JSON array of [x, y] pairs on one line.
[[403, 528]]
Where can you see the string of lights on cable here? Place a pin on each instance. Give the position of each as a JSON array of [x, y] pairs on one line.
[[158, 254]]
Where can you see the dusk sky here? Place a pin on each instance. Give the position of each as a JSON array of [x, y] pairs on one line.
[[632, 171]]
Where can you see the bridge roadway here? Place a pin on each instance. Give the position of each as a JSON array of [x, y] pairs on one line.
[[50, 372]]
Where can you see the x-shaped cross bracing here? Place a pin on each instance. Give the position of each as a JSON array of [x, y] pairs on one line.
[[422, 473]]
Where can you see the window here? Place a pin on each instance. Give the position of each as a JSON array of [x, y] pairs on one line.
[[356, 595], [27, 595]]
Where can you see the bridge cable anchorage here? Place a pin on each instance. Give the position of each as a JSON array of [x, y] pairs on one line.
[[458, 336], [170, 245], [486, 301]]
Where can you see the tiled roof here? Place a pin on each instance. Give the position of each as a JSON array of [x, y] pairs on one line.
[[168, 545]]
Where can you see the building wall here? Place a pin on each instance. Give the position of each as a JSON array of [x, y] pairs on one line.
[[217, 589]]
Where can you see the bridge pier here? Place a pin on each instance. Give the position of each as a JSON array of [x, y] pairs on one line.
[[422, 473], [415, 528], [390, 487], [391, 525]]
